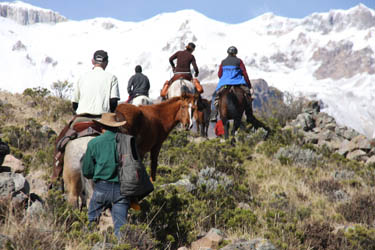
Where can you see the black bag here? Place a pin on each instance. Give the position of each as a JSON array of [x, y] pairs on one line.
[[133, 178], [4, 150]]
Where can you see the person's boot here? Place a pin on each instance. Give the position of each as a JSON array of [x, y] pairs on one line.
[[213, 115], [164, 91]]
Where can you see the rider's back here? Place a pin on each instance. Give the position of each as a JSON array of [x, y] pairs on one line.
[[94, 90], [139, 84], [184, 59], [231, 72]]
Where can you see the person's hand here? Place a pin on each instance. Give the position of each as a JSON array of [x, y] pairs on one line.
[[174, 70], [196, 75]]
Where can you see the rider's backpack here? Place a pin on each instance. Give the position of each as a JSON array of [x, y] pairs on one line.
[[134, 180]]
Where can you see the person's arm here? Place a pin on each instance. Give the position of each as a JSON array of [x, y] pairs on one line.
[[171, 59], [244, 73], [147, 85], [195, 67], [76, 93], [75, 106], [88, 164], [220, 73], [130, 84], [113, 104]]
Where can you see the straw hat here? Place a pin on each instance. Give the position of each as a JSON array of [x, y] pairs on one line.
[[109, 119]]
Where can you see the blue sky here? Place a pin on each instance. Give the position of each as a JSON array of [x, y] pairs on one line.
[[228, 11]]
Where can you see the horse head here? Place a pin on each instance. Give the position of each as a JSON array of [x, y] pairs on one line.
[[185, 114]]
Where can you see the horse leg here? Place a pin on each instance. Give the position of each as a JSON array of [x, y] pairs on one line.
[[226, 128], [236, 125], [206, 125], [73, 182], [202, 128], [154, 161]]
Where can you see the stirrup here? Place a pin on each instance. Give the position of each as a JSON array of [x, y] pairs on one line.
[[213, 118]]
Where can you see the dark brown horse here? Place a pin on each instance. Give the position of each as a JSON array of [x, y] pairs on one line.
[[202, 116], [152, 124], [232, 102]]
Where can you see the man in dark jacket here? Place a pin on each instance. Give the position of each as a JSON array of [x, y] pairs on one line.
[[184, 58], [232, 71], [138, 84]]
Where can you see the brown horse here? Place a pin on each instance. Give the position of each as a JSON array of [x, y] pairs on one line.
[[202, 116], [232, 101], [150, 124]]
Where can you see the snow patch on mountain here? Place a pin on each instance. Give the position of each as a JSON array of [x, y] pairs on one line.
[[326, 56]]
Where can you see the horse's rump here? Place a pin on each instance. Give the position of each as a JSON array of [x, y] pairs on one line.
[[72, 171], [180, 86], [141, 100], [231, 101]]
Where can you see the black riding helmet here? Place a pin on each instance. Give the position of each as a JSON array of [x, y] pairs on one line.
[[232, 50]]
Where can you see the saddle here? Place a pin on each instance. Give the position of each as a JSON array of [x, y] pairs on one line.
[[178, 76], [79, 129], [247, 93]]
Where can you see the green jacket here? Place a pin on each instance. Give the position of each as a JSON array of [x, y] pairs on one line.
[[100, 160]]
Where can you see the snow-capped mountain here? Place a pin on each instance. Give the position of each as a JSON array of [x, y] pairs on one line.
[[25, 14], [327, 56]]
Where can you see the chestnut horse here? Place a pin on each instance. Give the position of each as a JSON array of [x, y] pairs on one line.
[[150, 124], [232, 101]]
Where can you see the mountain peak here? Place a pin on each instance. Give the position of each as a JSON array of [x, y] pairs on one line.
[[24, 13]]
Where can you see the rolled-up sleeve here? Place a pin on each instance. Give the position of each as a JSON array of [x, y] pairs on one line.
[[76, 93], [115, 92]]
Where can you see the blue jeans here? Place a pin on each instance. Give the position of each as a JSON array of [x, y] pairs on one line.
[[107, 195]]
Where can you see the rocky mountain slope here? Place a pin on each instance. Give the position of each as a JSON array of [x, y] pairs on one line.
[[309, 185]]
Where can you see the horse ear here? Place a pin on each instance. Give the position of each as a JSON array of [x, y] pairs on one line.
[[119, 116]]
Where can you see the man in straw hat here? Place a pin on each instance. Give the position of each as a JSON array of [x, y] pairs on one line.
[[100, 164]]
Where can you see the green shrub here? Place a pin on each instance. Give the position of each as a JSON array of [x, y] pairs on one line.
[[37, 92], [241, 218], [360, 237]]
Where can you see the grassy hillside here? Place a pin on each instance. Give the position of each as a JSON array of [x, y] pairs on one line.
[[319, 200]]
